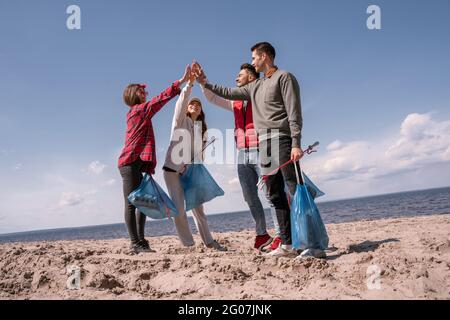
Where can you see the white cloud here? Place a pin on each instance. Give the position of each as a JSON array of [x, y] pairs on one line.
[[96, 167], [70, 199], [335, 145], [17, 166], [109, 183], [446, 156], [233, 182], [415, 125], [420, 142], [234, 185], [6, 152], [345, 159], [91, 192]]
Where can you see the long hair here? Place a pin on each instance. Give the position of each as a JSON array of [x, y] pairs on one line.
[[201, 118]]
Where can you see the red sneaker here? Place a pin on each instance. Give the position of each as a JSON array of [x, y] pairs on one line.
[[262, 241], [275, 244]]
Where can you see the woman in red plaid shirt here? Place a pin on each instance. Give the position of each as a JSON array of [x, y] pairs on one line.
[[138, 155]]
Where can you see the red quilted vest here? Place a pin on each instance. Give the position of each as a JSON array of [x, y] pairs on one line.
[[244, 133]]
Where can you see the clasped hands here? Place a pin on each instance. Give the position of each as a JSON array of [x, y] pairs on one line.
[[192, 73]]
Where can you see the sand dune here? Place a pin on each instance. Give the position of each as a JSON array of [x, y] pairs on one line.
[[411, 256]]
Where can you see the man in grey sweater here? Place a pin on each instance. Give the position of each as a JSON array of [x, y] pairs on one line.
[[278, 120]]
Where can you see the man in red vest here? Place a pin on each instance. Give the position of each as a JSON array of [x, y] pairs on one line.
[[247, 145]]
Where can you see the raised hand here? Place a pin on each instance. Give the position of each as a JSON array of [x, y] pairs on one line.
[[192, 77], [187, 74], [199, 73]]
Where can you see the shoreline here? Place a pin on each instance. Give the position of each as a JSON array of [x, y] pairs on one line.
[[398, 258], [173, 233], [325, 211]]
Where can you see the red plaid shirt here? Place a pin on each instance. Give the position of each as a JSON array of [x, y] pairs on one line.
[[140, 138]]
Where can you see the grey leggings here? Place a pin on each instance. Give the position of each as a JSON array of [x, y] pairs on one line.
[[181, 222], [134, 220]]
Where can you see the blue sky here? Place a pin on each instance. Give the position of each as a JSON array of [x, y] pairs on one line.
[[377, 100]]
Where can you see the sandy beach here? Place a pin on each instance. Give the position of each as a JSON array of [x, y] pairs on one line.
[[410, 255]]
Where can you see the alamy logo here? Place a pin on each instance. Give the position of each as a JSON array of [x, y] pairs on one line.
[[74, 20], [374, 20], [373, 281], [74, 279], [223, 149]]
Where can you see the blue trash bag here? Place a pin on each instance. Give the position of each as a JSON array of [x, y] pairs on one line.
[[313, 190], [307, 228], [199, 186], [151, 200]]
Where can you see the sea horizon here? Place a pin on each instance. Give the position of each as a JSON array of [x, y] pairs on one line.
[[406, 203]]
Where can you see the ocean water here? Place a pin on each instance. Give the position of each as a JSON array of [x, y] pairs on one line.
[[413, 203]]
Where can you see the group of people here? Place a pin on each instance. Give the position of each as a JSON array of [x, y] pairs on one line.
[[268, 123]]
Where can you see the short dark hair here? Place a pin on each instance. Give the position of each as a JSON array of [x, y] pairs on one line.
[[264, 47], [251, 69]]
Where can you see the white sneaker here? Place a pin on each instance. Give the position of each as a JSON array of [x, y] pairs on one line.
[[281, 251], [316, 253]]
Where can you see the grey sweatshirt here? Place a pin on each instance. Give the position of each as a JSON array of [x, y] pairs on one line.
[[276, 104]]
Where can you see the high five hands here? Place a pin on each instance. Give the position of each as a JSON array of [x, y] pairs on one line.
[[192, 73], [199, 73], [187, 74]]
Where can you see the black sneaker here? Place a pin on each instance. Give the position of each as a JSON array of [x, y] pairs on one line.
[[145, 244], [140, 247]]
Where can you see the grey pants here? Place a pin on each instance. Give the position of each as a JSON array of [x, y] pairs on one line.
[[181, 222], [134, 220], [249, 174]]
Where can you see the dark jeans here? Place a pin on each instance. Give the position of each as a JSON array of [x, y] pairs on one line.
[[276, 183], [134, 220]]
